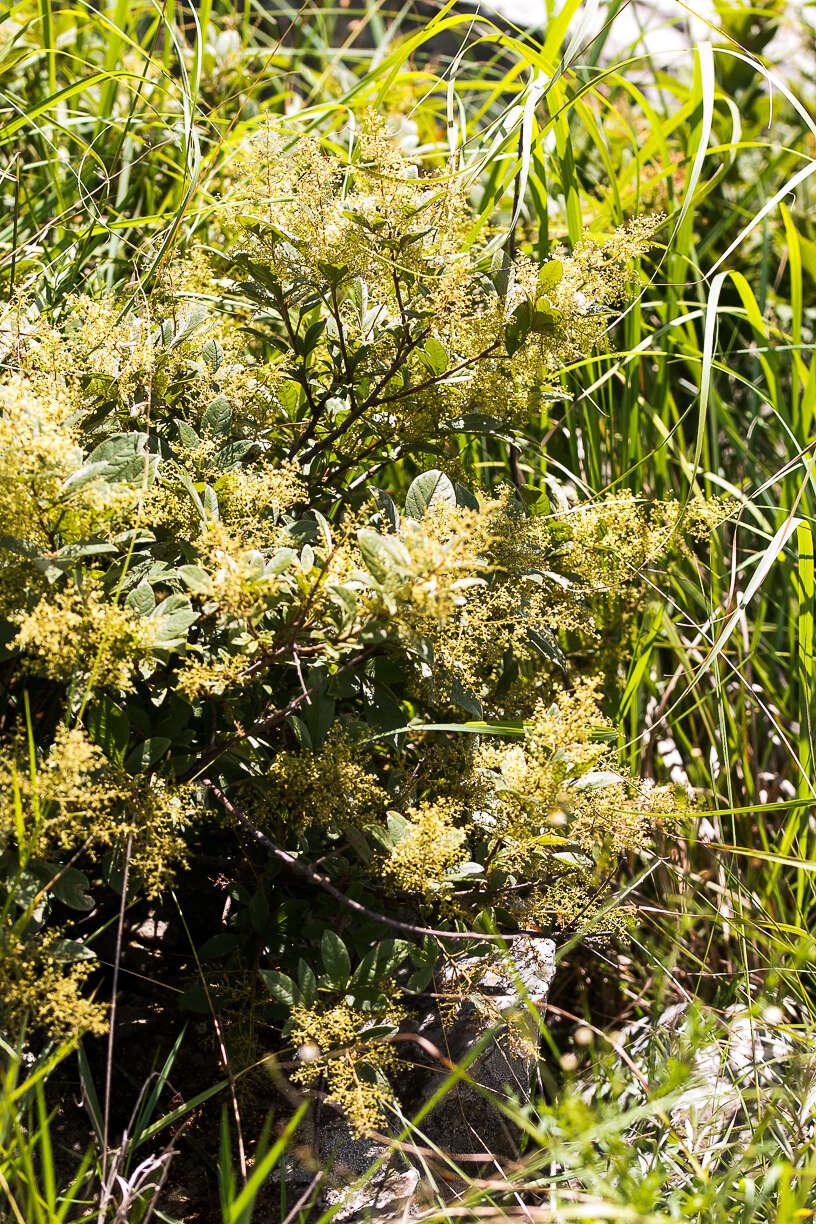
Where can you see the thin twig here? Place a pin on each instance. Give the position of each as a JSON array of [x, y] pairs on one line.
[[314, 877], [616, 1046], [222, 1046], [268, 722], [112, 1027]]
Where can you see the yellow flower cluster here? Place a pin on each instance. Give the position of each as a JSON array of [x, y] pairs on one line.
[[563, 902], [235, 572], [76, 801], [432, 845], [487, 599], [39, 455], [248, 496], [78, 798], [612, 540], [168, 507], [98, 349], [325, 788], [157, 815], [619, 817], [249, 499], [332, 212], [444, 560], [559, 787], [37, 990], [80, 635], [511, 577], [133, 356], [332, 1042], [569, 299], [70, 798], [200, 677]]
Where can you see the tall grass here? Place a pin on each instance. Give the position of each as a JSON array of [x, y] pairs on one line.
[[117, 125]]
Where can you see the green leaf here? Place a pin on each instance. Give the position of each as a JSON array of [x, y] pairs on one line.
[[213, 354], [210, 502], [54, 565], [547, 646], [187, 435], [307, 982], [358, 842], [71, 889], [432, 486], [553, 839], [191, 324], [304, 531], [381, 961], [319, 716], [258, 911], [312, 335], [377, 1031], [420, 979], [384, 710], [141, 599], [465, 699], [334, 273], [302, 732], [108, 726], [164, 333], [544, 319], [597, 779], [385, 556], [218, 945], [229, 457], [85, 474], [500, 269], [434, 356], [517, 328], [465, 871], [145, 755], [397, 827], [280, 561], [572, 859], [187, 482], [197, 579], [281, 987], [387, 507], [550, 274], [123, 455], [465, 498], [335, 958], [69, 951], [174, 616], [325, 529], [195, 999], [217, 418]]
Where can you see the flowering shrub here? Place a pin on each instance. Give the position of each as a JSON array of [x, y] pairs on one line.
[[231, 618]]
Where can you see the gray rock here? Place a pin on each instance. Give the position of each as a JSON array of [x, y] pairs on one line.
[[490, 1007], [500, 995]]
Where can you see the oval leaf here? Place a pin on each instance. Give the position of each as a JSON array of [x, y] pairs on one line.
[[429, 488], [335, 958]]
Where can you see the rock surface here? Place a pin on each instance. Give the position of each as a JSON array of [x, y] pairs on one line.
[[501, 996], [491, 1023], [388, 1192]]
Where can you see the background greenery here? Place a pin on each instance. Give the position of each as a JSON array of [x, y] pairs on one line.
[[116, 125]]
